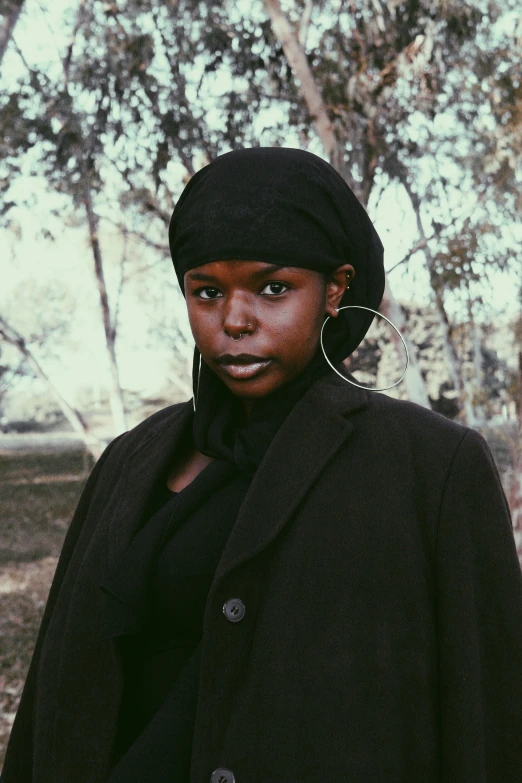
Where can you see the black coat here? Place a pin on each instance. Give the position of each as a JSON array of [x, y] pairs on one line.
[[382, 635]]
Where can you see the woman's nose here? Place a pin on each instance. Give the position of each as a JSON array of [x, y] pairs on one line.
[[238, 317]]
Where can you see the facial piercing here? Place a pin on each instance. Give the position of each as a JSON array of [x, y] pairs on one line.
[[240, 336]]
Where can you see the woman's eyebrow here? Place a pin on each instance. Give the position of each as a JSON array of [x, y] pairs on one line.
[[269, 270]]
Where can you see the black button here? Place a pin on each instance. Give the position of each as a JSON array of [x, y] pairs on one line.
[[222, 775], [234, 610]]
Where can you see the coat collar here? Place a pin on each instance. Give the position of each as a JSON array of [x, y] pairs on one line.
[[151, 458], [308, 438]]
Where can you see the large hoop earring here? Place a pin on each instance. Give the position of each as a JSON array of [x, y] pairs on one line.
[[360, 307], [196, 392]]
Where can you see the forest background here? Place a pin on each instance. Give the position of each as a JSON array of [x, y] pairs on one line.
[[106, 111]]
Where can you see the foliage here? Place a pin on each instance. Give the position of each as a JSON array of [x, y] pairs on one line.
[[427, 94]]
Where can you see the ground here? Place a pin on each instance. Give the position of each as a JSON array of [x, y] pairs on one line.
[[38, 495]]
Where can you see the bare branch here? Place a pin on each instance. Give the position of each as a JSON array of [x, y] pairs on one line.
[[68, 56], [136, 234], [8, 24], [74, 417], [122, 280], [305, 22], [181, 82], [151, 202], [142, 269], [20, 55], [419, 246], [423, 242]]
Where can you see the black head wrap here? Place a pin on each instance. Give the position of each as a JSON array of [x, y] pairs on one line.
[[276, 205]]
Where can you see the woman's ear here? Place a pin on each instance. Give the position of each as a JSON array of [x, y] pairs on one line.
[[336, 285]]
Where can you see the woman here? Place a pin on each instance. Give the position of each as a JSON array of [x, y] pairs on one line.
[[286, 579]]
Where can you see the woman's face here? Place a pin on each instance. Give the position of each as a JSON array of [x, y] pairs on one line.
[[279, 312]]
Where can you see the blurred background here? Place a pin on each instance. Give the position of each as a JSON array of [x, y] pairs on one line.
[[106, 111]]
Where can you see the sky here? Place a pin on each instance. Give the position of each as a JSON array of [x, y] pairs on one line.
[[27, 256]]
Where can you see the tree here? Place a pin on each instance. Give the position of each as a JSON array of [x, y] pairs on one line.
[[153, 91], [10, 11], [39, 337]]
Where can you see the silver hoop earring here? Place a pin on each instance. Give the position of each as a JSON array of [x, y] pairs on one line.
[[360, 307], [197, 390]]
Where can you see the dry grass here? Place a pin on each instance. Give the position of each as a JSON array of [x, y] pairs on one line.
[[38, 495]]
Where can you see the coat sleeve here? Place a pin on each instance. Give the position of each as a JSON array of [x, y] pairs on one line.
[[18, 760], [479, 608]]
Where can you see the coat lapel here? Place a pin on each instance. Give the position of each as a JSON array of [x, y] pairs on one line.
[[151, 457], [309, 437]]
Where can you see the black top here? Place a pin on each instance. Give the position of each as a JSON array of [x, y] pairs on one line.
[[150, 664], [161, 661]]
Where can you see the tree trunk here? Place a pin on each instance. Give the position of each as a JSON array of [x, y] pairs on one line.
[[298, 63], [413, 380], [450, 351], [8, 23], [73, 416], [115, 394], [515, 503], [515, 495], [475, 386]]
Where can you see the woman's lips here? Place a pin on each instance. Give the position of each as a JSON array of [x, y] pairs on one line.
[[240, 371]]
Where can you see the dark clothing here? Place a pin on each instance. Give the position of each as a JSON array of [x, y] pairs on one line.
[[155, 613], [151, 662], [374, 559]]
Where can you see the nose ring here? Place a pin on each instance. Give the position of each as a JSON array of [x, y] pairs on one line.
[[240, 336]]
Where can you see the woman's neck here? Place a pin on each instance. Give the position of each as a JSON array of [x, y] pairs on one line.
[[246, 408]]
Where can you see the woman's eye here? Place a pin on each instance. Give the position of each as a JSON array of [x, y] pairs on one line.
[[277, 285], [208, 288]]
